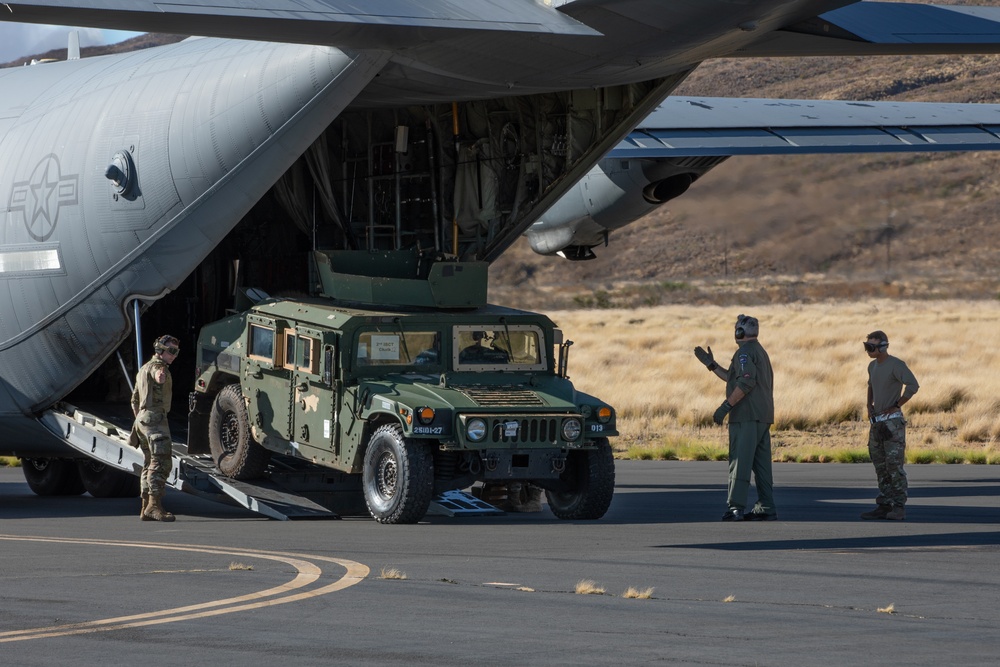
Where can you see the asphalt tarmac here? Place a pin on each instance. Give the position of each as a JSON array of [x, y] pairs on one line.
[[84, 582]]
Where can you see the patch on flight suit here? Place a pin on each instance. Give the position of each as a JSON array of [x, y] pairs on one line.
[[743, 361]]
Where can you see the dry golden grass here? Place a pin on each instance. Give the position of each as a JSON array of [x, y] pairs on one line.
[[589, 587], [641, 361], [891, 609], [240, 566], [633, 593], [391, 573], [729, 598]]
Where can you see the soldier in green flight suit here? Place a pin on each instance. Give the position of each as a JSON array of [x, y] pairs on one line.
[[750, 406], [150, 405]]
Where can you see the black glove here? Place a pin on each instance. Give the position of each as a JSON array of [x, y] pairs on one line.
[[706, 357], [721, 413]]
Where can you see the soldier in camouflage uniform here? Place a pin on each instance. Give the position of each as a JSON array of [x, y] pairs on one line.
[[150, 405], [750, 406], [887, 375]]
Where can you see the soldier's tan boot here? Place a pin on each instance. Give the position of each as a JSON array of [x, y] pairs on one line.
[[155, 511], [145, 506]]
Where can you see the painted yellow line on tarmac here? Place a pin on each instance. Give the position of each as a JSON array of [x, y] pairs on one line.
[[307, 573]]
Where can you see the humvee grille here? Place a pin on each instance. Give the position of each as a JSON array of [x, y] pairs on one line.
[[494, 397], [532, 429]]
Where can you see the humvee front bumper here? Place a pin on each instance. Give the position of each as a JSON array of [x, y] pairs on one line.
[[508, 464]]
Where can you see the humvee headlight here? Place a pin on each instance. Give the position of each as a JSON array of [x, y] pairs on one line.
[[475, 430], [571, 429], [586, 410], [425, 415], [604, 415]]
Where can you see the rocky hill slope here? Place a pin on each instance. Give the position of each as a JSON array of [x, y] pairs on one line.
[[764, 229]]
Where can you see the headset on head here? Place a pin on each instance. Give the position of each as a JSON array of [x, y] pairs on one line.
[[743, 323]]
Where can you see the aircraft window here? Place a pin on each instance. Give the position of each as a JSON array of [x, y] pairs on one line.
[[261, 342], [513, 347], [399, 348]]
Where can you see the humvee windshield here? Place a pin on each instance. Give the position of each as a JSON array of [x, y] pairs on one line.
[[517, 347], [399, 348]]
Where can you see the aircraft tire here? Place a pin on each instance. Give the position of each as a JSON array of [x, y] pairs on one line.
[[102, 481], [590, 475], [236, 454], [398, 477], [52, 477]]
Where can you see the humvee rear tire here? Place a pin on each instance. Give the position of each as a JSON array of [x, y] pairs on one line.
[[102, 481], [398, 477], [590, 478], [236, 454], [52, 477]]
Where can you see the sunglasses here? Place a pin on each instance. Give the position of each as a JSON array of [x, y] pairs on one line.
[[872, 347]]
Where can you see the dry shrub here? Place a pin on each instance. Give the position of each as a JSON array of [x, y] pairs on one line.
[[391, 573], [633, 593], [589, 587]]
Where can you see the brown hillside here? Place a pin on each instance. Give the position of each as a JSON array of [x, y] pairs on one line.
[[138, 42], [764, 229]]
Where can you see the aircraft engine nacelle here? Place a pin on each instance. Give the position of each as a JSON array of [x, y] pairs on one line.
[[616, 192]]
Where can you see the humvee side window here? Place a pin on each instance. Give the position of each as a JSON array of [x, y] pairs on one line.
[[299, 352], [485, 347], [399, 348], [308, 359], [289, 360], [261, 342]]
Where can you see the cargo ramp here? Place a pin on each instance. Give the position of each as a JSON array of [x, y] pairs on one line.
[[292, 489]]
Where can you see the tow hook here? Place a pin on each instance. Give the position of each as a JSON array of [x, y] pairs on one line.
[[492, 461], [558, 464]]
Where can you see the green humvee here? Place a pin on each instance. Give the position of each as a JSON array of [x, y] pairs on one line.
[[418, 401]]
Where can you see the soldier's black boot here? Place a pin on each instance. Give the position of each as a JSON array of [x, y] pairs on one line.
[[880, 512]]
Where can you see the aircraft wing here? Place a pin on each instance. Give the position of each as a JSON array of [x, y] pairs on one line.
[[884, 28], [707, 126], [344, 23]]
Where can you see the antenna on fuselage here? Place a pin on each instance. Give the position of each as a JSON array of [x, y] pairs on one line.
[[73, 47]]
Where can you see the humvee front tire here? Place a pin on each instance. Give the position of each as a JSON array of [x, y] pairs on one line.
[[590, 480], [398, 477], [236, 454]]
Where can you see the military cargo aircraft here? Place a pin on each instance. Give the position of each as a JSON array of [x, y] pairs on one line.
[[156, 186]]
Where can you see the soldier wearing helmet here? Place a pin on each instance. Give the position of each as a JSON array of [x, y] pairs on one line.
[[150, 405], [750, 406]]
